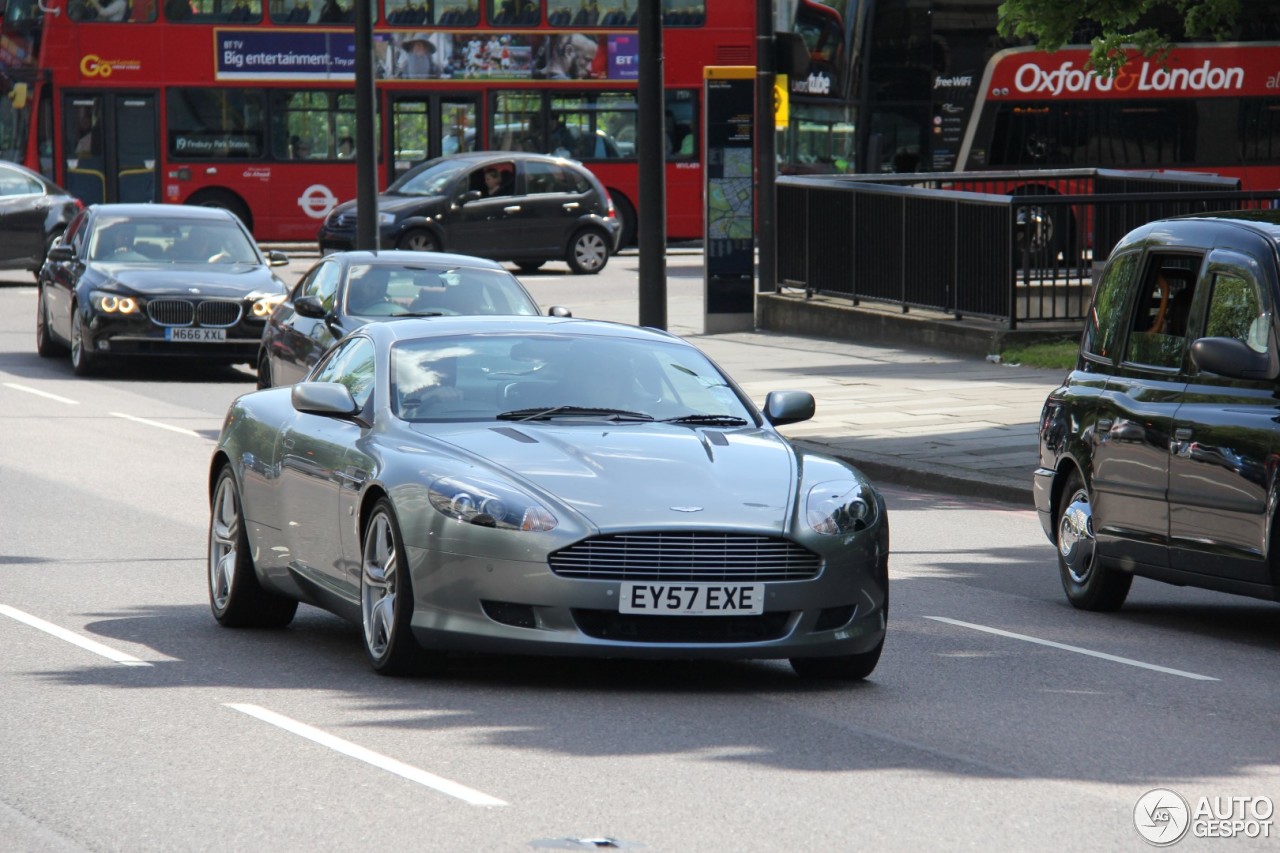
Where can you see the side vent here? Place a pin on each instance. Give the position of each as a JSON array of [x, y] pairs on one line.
[[735, 54]]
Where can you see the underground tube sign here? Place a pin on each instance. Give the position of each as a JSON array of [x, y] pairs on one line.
[[729, 238]]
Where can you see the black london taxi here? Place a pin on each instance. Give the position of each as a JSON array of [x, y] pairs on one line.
[[1158, 454]]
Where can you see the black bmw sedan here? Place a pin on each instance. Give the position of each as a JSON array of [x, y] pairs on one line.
[[155, 280], [34, 211], [502, 205]]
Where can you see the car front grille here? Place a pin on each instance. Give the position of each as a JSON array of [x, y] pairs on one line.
[[686, 556], [185, 312]]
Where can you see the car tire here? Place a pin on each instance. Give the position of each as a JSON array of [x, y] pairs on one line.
[[1088, 585], [46, 346], [236, 597], [264, 371], [418, 240], [83, 362], [529, 266], [841, 667], [386, 595], [626, 212], [588, 252]]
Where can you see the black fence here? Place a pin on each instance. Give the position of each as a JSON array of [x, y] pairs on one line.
[[1013, 246]]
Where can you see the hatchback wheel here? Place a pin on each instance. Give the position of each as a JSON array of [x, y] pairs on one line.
[[46, 346], [418, 240], [588, 252], [386, 595], [235, 596], [1088, 585]]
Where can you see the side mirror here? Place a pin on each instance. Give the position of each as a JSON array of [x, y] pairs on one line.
[[559, 311], [323, 398], [1232, 358], [60, 254], [310, 306], [472, 195], [277, 258], [788, 407]]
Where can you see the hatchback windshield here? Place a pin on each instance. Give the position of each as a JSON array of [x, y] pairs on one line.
[[559, 378], [431, 178]]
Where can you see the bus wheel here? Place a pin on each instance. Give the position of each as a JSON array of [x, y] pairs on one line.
[[224, 200], [1042, 232], [627, 216], [418, 240]]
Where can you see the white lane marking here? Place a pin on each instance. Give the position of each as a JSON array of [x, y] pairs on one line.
[[413, 774], [1103, 655], [182, 430], [71, 637], [40, 393]]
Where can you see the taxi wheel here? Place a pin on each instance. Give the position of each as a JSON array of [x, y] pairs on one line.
[[1088, 585], [235, 596], [588, 252], [840, 668], [386, 596]]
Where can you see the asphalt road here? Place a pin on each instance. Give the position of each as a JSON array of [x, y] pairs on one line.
[[999, 718]]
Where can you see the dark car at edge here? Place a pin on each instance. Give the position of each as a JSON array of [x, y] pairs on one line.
[[34, 212]]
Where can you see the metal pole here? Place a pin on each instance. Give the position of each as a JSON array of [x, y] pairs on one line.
[[651, 140], [766, 150], [366, 133]]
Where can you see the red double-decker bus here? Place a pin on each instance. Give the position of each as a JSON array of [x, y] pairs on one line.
[[230, 104]]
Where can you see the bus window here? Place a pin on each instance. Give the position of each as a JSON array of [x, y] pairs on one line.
[[681, 13], [1259, 131], [215, 123], [514, 13], [515, 122], [308, 125], [409, 13], [213, 11], [584, 127]]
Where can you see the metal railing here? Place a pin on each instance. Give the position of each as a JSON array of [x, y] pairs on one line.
[[1014, 246]]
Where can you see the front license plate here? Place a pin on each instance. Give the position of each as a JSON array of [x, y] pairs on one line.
[[199, 336], [692, 599]]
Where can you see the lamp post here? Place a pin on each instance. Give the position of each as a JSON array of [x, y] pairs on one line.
[[366, 133], [651, 228], [766, 145]]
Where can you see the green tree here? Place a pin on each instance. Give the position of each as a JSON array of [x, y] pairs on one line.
[[1149, 25]]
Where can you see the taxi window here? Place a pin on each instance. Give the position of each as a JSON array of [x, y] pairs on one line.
[[1236, 311], [1102, 326], [1158, 332]]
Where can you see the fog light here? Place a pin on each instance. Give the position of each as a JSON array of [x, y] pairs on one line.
[[103, 346]]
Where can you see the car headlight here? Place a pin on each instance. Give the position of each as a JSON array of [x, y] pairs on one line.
[[114, 303], [264, 305], [386, 218], [838, 507], [489, 504]]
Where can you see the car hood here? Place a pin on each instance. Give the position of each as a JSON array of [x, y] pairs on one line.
[[233, 280], [405, 204], [649, 475]]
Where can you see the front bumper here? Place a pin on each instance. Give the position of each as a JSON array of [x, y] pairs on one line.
[[1042, 492], [139, 335]]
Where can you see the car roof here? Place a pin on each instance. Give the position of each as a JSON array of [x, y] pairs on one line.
[[409, 328], [1199, 229], [162, 211], [49, 185], [397, 257]]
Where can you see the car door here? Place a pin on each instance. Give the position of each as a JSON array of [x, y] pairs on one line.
[[555, 199], [1135, 419], [23, 208], [59, 280], [490, 226], [294, 342], [1223, 456], [314, 476]]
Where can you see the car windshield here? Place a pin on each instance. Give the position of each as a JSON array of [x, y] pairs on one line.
[[433, 178], [560, 379], [383, 290], [123, 240]]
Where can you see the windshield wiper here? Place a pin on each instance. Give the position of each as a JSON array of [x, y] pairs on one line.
[[545, 413], [708, 420], [416, 314]]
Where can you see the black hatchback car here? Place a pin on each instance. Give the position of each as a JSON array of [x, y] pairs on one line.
[[155, 280], [1159, 454], [34, 212], [502, 205]]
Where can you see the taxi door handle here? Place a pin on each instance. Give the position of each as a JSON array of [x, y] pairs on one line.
[[571, 205]]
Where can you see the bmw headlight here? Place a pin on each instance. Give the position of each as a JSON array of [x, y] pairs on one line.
[[264, 304], [838, 507], [114, 303], [386, 219], [489, 504]]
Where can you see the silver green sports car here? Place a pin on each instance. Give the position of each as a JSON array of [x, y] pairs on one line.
[[547, 486]]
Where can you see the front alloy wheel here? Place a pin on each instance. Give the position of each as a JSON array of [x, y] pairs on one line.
[[386, 595], [235, 596], [82, 361]]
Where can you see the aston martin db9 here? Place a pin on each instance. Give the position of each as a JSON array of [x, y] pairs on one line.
[[547, 486]]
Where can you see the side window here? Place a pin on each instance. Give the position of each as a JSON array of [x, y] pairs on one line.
[[547, 178], [322, 282], [1236, 311], [1102, 327], [1158, 331], [351, 365]]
